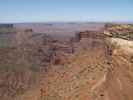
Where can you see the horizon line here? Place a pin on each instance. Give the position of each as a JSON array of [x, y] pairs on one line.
[[38, 22]]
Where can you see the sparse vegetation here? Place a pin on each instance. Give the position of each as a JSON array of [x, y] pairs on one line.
[[124, 31]]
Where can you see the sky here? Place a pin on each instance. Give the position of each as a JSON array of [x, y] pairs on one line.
[[18, 11]]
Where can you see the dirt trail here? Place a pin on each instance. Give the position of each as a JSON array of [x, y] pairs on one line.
[[119, 84]]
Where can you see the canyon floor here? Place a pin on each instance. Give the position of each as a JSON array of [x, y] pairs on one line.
[[93, 65]]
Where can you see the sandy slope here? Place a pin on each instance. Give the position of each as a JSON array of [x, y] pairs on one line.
[[119, 79]]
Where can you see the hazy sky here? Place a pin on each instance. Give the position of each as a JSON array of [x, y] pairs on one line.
[[65, 10]]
